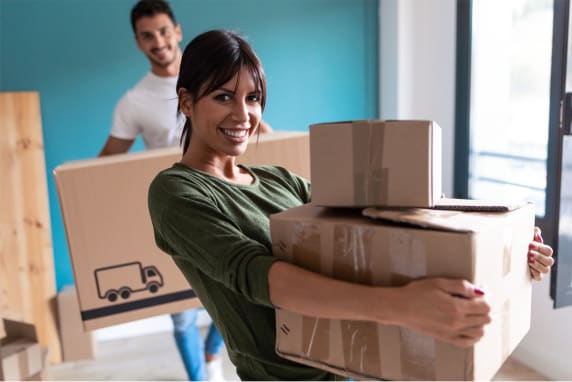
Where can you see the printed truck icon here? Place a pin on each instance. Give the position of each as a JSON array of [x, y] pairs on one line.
[[124, 279]]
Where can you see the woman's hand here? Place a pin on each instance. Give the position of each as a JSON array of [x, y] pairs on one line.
[[451, 310], [539, 256]]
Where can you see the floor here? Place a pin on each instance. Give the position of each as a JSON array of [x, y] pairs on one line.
[[154, 357]]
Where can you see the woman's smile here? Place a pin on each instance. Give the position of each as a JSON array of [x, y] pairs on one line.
[[238, 135]]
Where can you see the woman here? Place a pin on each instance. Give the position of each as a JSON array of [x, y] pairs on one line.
[[211, 215]]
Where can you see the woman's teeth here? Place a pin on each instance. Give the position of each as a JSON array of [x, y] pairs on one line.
[[236, 133]]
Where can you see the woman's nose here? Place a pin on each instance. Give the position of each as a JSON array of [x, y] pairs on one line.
[[240, 111]]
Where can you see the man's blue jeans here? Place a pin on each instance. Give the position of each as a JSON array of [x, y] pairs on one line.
[[190, 344]]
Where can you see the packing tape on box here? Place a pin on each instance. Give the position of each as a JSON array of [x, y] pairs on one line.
[[352, 261], [371, 180], [345, 253]]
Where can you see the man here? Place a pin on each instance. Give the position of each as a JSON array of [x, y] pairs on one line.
[[150, 110]]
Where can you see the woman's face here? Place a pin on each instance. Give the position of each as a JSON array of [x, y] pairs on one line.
[[223, 120]]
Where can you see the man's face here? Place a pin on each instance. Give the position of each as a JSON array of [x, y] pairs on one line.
[[158, 38]]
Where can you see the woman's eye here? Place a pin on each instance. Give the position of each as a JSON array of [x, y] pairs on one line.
[[222, 97], [254, 98]]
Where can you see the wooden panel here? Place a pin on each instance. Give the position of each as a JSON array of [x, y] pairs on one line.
[[27, 280]]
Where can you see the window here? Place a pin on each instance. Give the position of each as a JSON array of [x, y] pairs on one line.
[[511, 61]]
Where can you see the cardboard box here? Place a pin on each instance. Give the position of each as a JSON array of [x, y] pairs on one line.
[[376, 163], [2, 330], [77, 344], [21, 356], [488, 249], [41, 375], [120, 274]]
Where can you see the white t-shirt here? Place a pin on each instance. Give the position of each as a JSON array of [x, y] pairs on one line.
[[150, 109]]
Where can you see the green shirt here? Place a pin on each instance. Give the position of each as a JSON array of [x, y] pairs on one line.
[[218, 233]]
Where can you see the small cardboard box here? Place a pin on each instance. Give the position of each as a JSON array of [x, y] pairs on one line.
[[21, 356], [487, 249], [120, 274], [77, 344], [376, 163], [40, 376]]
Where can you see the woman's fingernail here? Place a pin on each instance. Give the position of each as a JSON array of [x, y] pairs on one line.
[[532, 246], [479, 291]]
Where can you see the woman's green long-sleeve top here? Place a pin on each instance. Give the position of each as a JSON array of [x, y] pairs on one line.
[[218, 234]]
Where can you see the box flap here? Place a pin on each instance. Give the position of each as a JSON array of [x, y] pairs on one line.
[[19, 330], [14, 347], [450, 219], [20, 352], [478, 205], [175, 152], [370, 121], [423, 218]]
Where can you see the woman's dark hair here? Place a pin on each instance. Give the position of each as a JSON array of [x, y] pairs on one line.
[[212, 59], [150, 8]]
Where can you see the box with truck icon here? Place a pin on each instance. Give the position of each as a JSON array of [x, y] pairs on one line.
[[120, 274]]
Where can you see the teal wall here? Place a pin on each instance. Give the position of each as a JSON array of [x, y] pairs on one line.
[[320, 57]]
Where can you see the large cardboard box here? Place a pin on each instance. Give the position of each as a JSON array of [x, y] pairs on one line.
[[21, 356], [77, 344], [120, 274], [376, 163], [488, 249]]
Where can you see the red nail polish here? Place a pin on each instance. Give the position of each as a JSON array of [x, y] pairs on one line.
[[531, 260], [532, 246], [479, 291]]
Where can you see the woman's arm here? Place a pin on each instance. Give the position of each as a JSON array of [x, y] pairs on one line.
[[450, 310]]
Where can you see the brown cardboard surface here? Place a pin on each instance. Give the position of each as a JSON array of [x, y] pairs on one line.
[[477, 205], [41, 375], [376, 163], [120, 274], [77, 344], [488, 249], [20, 353], [2, 330]]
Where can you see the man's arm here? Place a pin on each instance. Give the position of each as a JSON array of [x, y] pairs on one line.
[[116, 146]]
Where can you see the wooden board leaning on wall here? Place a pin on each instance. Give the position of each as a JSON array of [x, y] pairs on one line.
[[27, 280]]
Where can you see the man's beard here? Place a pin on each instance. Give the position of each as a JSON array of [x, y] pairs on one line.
[[163, 64]]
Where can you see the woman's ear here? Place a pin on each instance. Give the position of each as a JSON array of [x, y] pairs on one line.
[[185, 101]]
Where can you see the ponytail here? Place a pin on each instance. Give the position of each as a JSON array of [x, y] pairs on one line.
[[186, 135]]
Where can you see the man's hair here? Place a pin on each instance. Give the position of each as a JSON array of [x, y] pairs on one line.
[[150, 8]]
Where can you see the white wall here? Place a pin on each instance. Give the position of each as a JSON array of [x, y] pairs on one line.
[[417, 80], [417, 67], [548, 345]]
